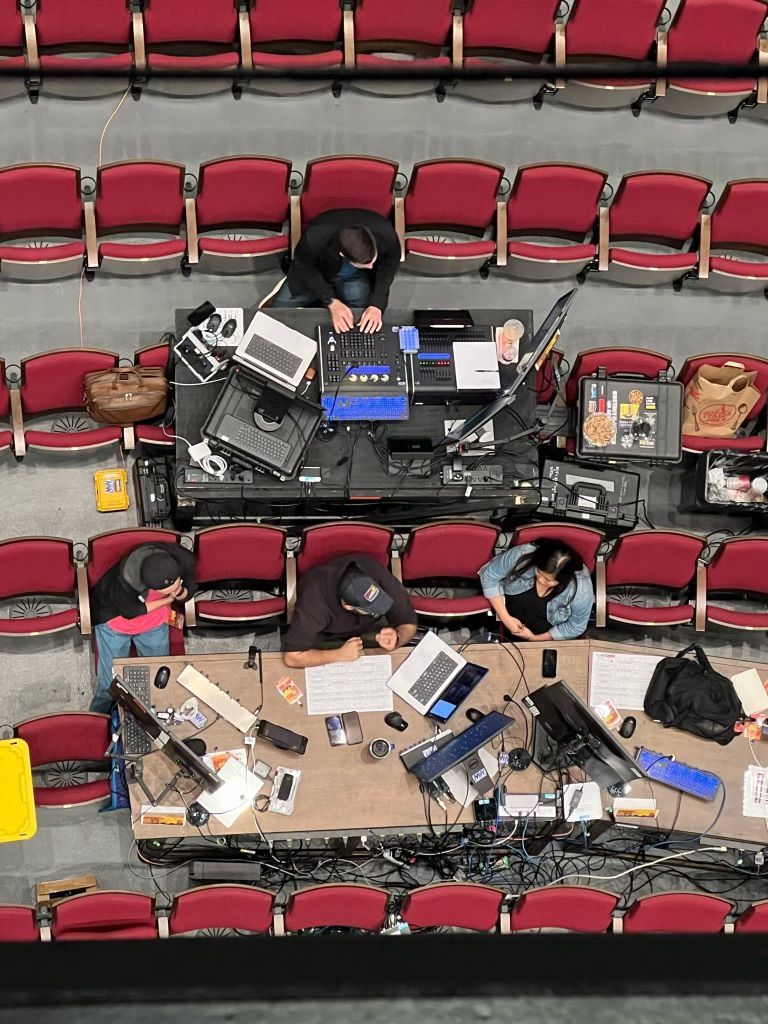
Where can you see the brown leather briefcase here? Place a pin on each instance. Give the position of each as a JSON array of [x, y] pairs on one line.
[[129, 395]]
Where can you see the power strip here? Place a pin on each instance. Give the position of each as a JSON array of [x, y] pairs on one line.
[[216, 699], [478, 475]]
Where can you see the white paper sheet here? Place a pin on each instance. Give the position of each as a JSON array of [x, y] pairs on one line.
[[476, 365], [229, 801], [620, 678], [350, 686]]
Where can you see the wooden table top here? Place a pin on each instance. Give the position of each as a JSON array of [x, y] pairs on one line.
[[342, 791]]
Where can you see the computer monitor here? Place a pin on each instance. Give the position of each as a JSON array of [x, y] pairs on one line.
[[568, 733], [174, 748], [543, 341], [462, 746]]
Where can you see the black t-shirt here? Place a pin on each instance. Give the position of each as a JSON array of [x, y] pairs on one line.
[[530, 609], [319, 616]]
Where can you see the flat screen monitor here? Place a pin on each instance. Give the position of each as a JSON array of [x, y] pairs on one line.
[[568, 733], [174, 748], [543, 341]]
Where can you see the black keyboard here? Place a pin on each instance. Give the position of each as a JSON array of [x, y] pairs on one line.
[[273, 356], [433, 677], [248, 437], [135, 740]]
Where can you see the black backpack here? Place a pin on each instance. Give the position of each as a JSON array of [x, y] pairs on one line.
[[690, 695]]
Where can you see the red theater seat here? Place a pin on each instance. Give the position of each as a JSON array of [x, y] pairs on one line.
[[72, 36], [660, 208], [236, 197], [68, 740], [603, 31], [347, 905], [35, 568], [388, 34], [239, 557], [451, 552], [661, 562], [188, 36], [616, 361], [217, 908], [307, 34], [570, 908], [675, 912], [18, 924], [52, 382], [137, 197], [557, 201], [748, 440], [453, 905], [40, 205], [584, 540], [348, 182], [109, 914], [734, 239], [738, 569], [456, 197], [325, 541]]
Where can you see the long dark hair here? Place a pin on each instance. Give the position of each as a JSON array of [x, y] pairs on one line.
[[552, 557]]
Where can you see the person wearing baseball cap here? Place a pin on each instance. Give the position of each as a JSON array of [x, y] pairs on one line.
[[132, 603], [342, 604]]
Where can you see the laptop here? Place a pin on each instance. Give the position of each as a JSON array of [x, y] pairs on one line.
[[426, 673], [277, 351]]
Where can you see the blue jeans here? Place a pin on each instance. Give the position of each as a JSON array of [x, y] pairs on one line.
[[355, 291], [112, 645]]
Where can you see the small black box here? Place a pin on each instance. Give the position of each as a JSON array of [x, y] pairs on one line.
[[606, 498]]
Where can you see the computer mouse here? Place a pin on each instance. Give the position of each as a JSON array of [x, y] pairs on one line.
[[474, 715], [229, 328], [162, 676], [396, 721], [197, 814], [627, 727]]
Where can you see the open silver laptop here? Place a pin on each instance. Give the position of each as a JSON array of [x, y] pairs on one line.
[[426, 673], [276, 351]]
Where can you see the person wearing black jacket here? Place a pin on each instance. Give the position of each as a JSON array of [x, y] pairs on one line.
[[133, 602], [344, 258]]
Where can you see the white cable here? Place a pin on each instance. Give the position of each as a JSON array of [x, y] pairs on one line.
[[109, 122], [213, 465], [638, 867], [754, 755]]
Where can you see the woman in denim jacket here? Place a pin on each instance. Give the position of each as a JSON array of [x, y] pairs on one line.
[[539, 591]]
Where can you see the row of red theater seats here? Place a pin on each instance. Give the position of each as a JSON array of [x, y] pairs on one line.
[[215, 35], [51, 383], [260, 560], [115, 914], [453, 215]]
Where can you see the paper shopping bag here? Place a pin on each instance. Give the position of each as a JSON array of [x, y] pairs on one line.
[[718, 399]]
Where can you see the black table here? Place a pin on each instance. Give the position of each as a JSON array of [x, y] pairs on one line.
[[355, 482]]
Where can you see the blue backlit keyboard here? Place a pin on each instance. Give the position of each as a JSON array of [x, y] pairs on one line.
[[366, 407], [681, 776]]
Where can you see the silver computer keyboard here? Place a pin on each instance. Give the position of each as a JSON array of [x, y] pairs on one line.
[[272, 355], [250, 439], [432, 678], [135, 740]]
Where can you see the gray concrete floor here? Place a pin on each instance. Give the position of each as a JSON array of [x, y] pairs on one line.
[[55, 496]]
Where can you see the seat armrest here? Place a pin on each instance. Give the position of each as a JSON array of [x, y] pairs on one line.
[[129, 437], [17, 422], [396, 566], [762, 60], [705, 235], [290, 586], [501, 233], [559, 51], [190, 612], [91, 238], [83, 600], [661, 61], [617, 921], [295, 222], [457, 41], [601, 596], [190, 214], [278, 924], [139, 45], [400, 224], [30, 43], [348, 27], [604, 238], [246, 54], [701, 598]]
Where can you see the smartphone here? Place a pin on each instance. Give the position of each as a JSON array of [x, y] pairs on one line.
[[335, 729], [351, 722], [549, 663]]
